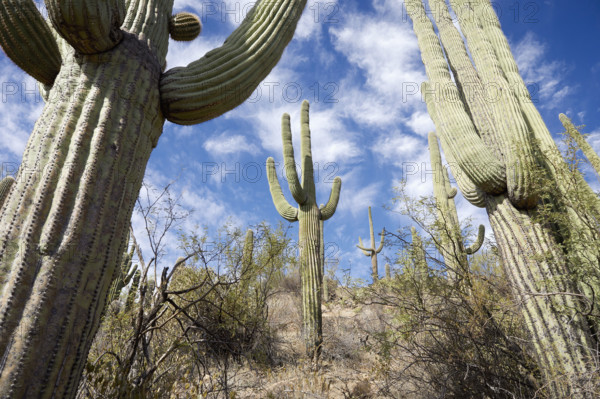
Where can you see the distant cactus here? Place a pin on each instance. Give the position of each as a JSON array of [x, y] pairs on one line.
[[124, 275], [452, 247], [388, 273], [102, 69], [417, 256], [309, 216], [372, 251]]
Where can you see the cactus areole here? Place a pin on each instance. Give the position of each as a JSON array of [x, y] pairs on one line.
[[102, 72]]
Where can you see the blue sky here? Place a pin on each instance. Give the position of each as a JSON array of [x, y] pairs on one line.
[[358, 64]]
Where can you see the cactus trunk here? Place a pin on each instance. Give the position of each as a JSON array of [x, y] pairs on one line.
[[64, 220], [68, 215], [563, 350]]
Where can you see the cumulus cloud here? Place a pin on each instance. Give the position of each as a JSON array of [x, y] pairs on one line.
[[543, 77]]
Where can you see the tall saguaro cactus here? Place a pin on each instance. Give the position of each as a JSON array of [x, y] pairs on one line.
[[451, 246], [496, 148], [309, 216], [101, 66], [372, 251]]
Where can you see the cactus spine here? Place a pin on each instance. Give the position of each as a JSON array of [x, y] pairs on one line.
[[452, 247], [372, 251], [496, 147], [309, 217], [62, 234]]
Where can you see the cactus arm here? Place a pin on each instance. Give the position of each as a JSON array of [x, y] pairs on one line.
[[587, 149], [371, 231], [328, 210], [477, 244], [28, 41], [366, 251], [184, 27], [298, 192], [90, 26], [227, 76], [378, 250], [284, 208], [453, 121], [308, 179], [5, 186], [512, 133]]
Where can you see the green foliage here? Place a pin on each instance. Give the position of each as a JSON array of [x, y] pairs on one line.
[[202, 320]]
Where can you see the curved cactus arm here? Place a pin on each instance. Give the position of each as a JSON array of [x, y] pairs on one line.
[[477, 244], [90, 26], [289, 162], [513, 136], [328, 210], [5, 186], [449, 114], [585, 147], [468, 189], [284, 208], [378, 250], [225, 77], [28, 41], [366, 251]]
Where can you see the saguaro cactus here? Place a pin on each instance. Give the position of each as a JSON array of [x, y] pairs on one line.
[[495, 149], [124, 276], [101, 65], [451, 246], [372, 252], [309, 217], [5, 186], [417, 256], [322, 249]]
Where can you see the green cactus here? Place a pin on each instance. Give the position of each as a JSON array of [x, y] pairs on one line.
[[309, 217], [587, 149], [107, 96], [372, 252], [5, 185], [417, 256], [451, 246], [133, 289], [184, 27], [388, 272], [495, 149]]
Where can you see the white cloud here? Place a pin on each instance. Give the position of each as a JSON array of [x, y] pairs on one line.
[[544, 78], [229, 144]]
